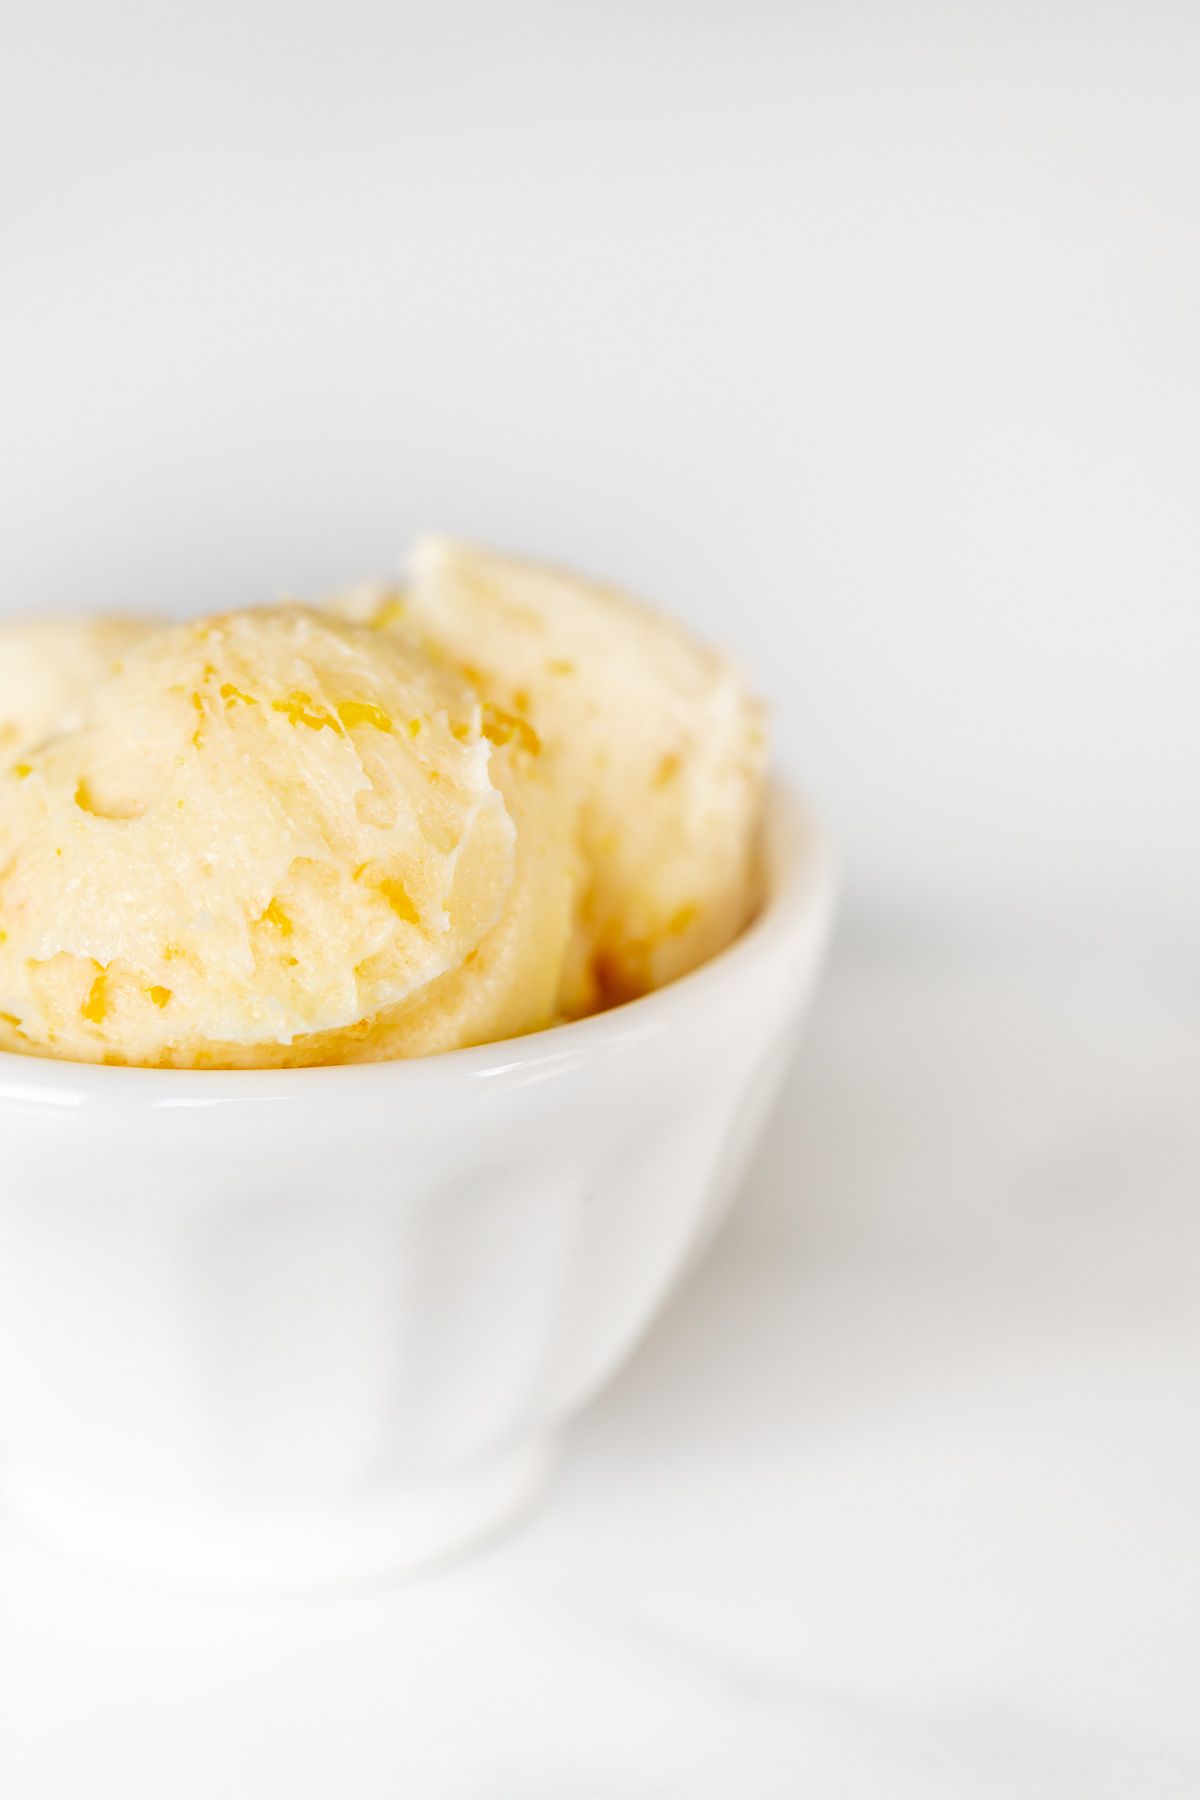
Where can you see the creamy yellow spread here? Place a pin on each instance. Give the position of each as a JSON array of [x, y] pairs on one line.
[[406, 821]]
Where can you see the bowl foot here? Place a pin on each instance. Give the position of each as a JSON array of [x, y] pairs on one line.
[[271, 1549]]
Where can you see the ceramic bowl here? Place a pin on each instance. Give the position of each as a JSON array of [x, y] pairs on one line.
[[269, 1329]]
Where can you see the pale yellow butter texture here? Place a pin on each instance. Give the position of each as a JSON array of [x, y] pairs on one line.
[[655, 736], [48, 668], [404, 822], [270, 832]]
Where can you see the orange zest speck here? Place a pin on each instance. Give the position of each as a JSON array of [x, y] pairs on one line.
[[301, 709], [388, 613], [500, 727], [276, 916], [364, 712], [400, 901], [95, 1007]]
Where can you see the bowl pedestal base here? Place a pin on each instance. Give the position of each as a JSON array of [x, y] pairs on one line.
[[270, 1549]]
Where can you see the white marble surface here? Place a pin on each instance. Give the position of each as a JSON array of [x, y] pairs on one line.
[[901, 1498]]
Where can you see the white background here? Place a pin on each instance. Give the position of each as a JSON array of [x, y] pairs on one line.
[[864, 337]]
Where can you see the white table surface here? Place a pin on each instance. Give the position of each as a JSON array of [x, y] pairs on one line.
[[901, 1498]]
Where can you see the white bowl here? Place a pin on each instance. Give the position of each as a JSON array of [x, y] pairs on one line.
[[277, 1328]]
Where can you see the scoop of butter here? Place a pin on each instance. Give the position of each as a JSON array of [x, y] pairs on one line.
[[48, 668], [411, 821], [511, 982], [273, 837], [655, 736]]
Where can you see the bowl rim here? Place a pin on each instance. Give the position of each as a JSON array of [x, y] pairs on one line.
[[801, 890]]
